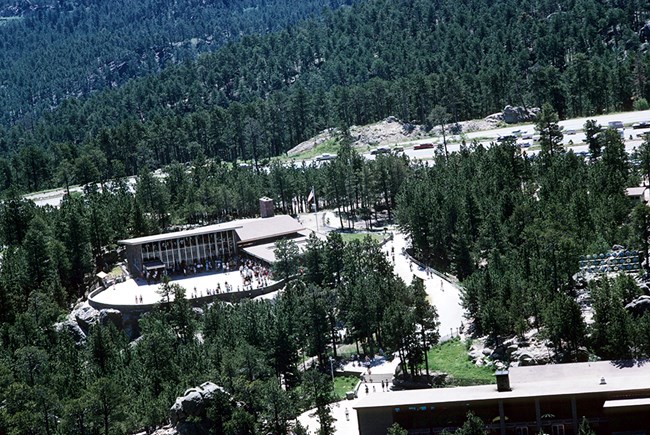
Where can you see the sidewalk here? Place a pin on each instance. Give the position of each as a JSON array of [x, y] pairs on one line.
[[442, 293], [348, 425]]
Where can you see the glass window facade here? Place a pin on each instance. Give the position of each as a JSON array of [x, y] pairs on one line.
[[178, 253]]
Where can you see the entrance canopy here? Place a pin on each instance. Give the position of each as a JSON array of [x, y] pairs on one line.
[[153, 265]]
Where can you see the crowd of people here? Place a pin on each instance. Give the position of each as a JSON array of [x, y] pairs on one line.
[[253, 273]]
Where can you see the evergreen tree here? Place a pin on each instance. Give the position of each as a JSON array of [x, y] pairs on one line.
[[550, 135]]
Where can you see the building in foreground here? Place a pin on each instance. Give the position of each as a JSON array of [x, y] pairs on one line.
[[178, 250], [614, 396]]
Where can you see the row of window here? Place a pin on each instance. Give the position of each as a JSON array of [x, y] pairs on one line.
[[190, 249]]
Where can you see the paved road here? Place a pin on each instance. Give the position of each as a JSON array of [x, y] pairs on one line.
[[54, 197]]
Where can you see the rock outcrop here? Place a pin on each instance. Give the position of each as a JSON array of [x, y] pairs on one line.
[[518, 114], [71, 327], [517, 351], [514, 115], [85, 315], [109, 315], [193, 405]]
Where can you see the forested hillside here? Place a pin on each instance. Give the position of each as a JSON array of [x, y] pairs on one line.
[[510, 226], [262, 95], [51, 50]]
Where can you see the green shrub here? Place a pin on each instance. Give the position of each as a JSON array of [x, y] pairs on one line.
[[641, 104]]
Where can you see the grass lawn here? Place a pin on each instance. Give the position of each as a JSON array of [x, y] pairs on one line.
[[348, 237], [346, 350], [343, 384], [116, 271], [451, 357]]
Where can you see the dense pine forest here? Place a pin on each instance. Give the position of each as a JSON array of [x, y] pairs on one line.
[[54, 50], [512, 231], [511, 227], [263, 94]]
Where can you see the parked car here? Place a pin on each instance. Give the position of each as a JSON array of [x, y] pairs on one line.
[[615, 124], [642, 124], [398, 150], [423, 146], [380, 150], [325, 157], [506, 137]]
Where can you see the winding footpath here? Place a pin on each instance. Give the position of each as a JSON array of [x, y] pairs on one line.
[[442, 293]]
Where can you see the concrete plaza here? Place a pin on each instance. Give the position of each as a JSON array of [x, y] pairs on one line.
[[343, 411], [125, 293]]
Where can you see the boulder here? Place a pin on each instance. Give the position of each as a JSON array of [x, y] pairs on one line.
[[536, 354], [71, 327], [639, 305], [494, 118], [194, 403], [110, 315], [86, 316], [518, 114], [487, 351], [474, 354], [526, 359]]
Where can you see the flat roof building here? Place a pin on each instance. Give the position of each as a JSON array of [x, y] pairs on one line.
[[176, 250], [614, 396]]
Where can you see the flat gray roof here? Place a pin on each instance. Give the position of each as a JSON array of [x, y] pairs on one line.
[[209, 229], [535, 381], [266, 252], [635, 191], [248, 230], [264, 228]]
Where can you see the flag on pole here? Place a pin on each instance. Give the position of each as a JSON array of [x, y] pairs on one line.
[[310, 198]]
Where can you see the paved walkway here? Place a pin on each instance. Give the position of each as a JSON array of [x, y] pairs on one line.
[[345, 417], [441, 292]]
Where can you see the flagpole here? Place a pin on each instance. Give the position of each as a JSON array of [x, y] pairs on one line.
[[315, 206]]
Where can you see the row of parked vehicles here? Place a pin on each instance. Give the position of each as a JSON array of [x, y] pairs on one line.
[[524, 137]]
